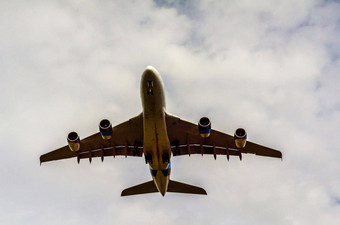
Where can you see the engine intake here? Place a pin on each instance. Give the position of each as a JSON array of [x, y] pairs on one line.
[[73, 141], [105, 129], [240, 137], [204, 127]]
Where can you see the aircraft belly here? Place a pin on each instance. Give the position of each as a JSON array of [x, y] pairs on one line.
[[156, 141]]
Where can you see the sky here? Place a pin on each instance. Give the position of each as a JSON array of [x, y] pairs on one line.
[[271, 67]]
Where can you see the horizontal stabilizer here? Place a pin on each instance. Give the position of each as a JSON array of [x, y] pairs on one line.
[[144, 188], [179, 187]]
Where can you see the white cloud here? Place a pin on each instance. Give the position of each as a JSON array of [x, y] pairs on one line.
[[270, 67]]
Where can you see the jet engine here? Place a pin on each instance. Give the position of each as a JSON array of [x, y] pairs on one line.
[[105, 129], [240, 137], [204, 127], [73, 141]]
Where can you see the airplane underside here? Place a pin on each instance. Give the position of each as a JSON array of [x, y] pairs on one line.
[[158, 136]]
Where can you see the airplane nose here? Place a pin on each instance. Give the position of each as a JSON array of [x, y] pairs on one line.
[[149, 67], [150, 71]]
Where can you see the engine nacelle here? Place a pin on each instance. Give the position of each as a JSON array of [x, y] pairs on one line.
[[204, 127], [105, 129], [73, 141], [240, 137]]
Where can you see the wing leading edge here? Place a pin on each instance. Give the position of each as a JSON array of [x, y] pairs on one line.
[[186, 140]]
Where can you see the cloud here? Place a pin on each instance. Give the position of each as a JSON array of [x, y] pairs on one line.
[[269, 67]]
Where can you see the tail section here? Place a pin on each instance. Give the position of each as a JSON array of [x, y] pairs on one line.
[[174, 186], [144, 188], [178, 187]]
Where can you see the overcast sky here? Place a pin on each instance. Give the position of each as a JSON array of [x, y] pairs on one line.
[[271, 67]]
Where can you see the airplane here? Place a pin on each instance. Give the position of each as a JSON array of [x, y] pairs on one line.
[[158, 136]]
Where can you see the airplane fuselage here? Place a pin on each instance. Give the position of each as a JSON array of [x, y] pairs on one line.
[[156, 145]]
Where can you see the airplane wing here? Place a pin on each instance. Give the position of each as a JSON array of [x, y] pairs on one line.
[[127, 139], [186, 140]]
